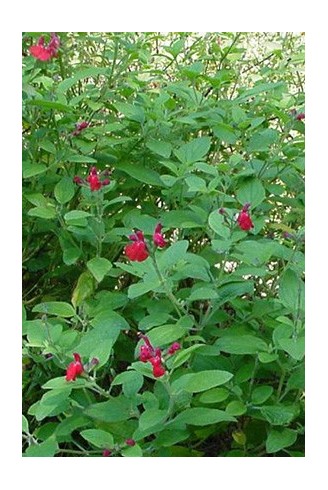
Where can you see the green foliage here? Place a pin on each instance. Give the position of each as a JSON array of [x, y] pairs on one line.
[[181, 125]]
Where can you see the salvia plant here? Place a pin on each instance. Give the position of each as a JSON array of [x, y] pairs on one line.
[[163, 244]]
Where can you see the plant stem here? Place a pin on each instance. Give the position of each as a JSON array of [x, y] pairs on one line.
[[253, 377], [179, 308]]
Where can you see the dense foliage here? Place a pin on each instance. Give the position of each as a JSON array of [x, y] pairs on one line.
[[163, 240]]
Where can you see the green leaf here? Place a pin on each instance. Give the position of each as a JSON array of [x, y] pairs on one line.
[[132, 451], [196, 184], [90, 72], [262, 140], [215, 395], [265, 357], [76, 215], [278, 414], [47, 448], [256, 252], [99, 267], [64, 190], [204, 416], [166, 334], [160, 147], [182, 356], [294, 347], [258, 89], [43, 212], [251, 191], [84, 288], [229, 291], [194, 150], [182, 219], [49, 105], [80, 159], [279, 439], [132, 382], [111, 318], [261, 394], [115, 410], [225, 133], [202, 293], [292, 291], [241, 344], [202, 381], [133, 112], [136, 290], [117, 200], [25, 424], [217, 224], [32, 169], [142, 174], [173, 254], [57, 308], [99, 438], [48, 146], [236, 408], [151, 418]]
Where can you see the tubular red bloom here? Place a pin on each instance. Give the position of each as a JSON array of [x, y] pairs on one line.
[[158, 238], [107, 452], [130, 442], [300, 116], [153, 355], [173, 348], [92, 181], [145, 353], [45, 53], [244, 221], [78, 180], [158, 371], [79, 127], [137, 251], [75, 368]]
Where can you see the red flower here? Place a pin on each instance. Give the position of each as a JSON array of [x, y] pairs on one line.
[[79, 127], [45, 53], [173, 348], [75, 368], [158, 371], [158, 237], [145, 353], [137, 251], [93, 181], [130, 442], [300, 116], [153, 355], [244, 220], [107, 452]]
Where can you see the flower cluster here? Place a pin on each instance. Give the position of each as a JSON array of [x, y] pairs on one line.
[[138, 250], [244, 220], [79, 127], [128, 442], [93, 180], [173, 348], [154, 355], [45, 52], [297, 115], [75, 368]]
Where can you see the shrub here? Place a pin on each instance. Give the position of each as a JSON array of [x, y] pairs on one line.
[[163, 240]]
